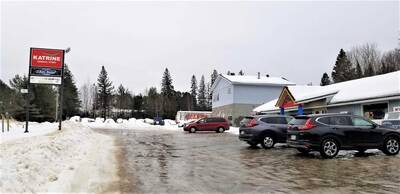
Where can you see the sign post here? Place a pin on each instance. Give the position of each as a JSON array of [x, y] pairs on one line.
[[46, 66]]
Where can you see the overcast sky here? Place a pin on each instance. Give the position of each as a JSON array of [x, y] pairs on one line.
[[136, 41]]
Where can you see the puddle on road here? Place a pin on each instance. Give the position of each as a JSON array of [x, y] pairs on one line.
[[177, 162]]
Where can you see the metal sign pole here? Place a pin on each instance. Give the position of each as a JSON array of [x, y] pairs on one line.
[[27, 94], [61, 92]]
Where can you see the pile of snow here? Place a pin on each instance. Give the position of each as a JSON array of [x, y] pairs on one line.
[[233, 130], [72, 160], [87, 120], [17, 129], [75, 119], [99, 120], [148, 121]]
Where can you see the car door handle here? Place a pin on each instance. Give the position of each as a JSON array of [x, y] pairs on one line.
[[335, 128]]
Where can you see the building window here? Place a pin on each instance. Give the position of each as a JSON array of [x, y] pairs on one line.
[[375, 111]]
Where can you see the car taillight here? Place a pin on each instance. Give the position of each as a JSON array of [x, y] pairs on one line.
[[252, 123], [308, 125]]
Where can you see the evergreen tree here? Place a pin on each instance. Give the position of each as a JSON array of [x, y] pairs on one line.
[[105, 88], [241, 72], [71, 102], [343, 70], [214, 76], [42, 100], [167, 88], [193, 91], [201, 96], [325, 80]]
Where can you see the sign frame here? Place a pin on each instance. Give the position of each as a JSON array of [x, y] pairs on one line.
[[46, 79]]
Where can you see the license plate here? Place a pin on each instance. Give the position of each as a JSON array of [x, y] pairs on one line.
[[293, 137]]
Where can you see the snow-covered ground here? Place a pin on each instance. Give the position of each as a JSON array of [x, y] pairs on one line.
[[16, 130], [75, 159], [133, 123]]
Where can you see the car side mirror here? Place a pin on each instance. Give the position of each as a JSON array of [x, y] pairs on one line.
[[374, 126], [197, 122]]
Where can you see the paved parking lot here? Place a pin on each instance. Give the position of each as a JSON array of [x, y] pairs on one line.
[[176, 162]]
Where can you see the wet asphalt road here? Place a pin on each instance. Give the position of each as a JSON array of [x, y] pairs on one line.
[[163, 161]]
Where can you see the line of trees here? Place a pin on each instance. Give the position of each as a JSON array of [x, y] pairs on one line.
[[42, 99], [101, 99], [362, 61]]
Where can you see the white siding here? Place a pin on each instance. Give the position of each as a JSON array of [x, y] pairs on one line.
[[247, 94], [221, 94]]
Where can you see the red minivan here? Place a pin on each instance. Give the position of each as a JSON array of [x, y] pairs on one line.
[[216, 124]]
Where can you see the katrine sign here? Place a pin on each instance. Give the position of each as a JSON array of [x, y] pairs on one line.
[[46, 66]]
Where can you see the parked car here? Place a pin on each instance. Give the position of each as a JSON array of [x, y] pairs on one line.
[[329, 133], [208, 124], [265, 129], [392, 120], [158, 121]]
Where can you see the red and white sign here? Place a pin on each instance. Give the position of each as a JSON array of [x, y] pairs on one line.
[[51, 58], [46, 66]]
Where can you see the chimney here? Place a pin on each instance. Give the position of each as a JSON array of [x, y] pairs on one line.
[[267, 75], [258, 75]]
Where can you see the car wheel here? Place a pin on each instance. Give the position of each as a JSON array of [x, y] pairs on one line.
[[220, 130], [192, 130], [268, 141], [329, 148], [391, 146], [303, 150]]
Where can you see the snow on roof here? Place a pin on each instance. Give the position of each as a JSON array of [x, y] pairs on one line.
[[254, 80], [267, 106], [360, 89]]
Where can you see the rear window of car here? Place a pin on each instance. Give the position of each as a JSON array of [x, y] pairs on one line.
[[274, 120], [298, 121], [245, 120], [335, 120]]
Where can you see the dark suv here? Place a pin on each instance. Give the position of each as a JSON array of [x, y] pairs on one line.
[[329, 133], [264, 129], [208, 124]]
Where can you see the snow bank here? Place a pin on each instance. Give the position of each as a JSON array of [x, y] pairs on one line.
[[233, 130], [16, 130], [75, 159]]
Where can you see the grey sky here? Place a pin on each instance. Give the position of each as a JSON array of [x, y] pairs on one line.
[[137, 40]]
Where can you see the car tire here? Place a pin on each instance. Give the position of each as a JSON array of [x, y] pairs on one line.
[[220, 130], [391, 145], [268, 141], [303, 150], [329, 148], [192, 130]]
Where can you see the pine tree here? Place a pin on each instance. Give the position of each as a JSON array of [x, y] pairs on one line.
[[325, 80], [202, 94], [214, 76], [105, 88], [343, 69], [71, 102], [241, 72], [193, 91], [167, 89]]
